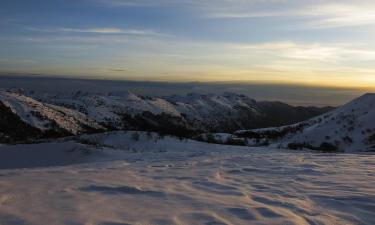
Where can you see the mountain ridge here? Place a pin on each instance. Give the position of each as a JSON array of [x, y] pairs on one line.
[[79, 112], [347, 128]]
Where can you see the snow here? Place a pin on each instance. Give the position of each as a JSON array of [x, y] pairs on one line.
[[42, 116], [348, 127], [40, 155], [111, 107], [351, 128], [210, 106], [163, 180], [125, 110], [202, 110]]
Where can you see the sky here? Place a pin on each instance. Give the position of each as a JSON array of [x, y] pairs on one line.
[[297, 95], [295, 42]]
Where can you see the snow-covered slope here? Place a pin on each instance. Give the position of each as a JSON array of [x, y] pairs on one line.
[[109, 108], [348, 128], [46, 117], [202, 112], [197, 112], [228, 110], [166, 181], [123, 111]]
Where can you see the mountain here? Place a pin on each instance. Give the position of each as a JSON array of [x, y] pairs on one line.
[[80, 112], [191, 113], [23, 117], [348, 128], [123, 111]]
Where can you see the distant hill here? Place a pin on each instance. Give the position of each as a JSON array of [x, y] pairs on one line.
[[71, 113]]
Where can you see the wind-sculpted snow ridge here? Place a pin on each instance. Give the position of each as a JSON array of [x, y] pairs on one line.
[[143, 178], [46, 117], [348, 128]]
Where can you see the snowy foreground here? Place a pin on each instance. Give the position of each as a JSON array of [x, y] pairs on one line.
[[166, 181]]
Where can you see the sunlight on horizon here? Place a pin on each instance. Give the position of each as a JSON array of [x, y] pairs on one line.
[[286, 42]]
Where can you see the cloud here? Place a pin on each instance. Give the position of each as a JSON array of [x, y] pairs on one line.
[[175, 51], [315, 14], [342, 15], [27, 61], [285, 61], [117, 70], [144, 3], [101, 30], [338, 54], [323, 15]]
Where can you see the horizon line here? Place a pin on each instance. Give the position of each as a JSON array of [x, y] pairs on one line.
[[176, 81]]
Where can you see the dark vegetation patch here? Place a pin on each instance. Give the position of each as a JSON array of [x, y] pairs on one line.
[[163, 124], [236, 141], [272, 134], [280, 114], [347, 140], [324, 147], [371, 139], [210, 138], [13, 129]]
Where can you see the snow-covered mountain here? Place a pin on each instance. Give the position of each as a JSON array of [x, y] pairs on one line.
[[80, 112], [348, 128], [22, 115], [110, 108], [192, 112]]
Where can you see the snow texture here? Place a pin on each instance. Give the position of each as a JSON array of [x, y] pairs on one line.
[[147, 179]]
